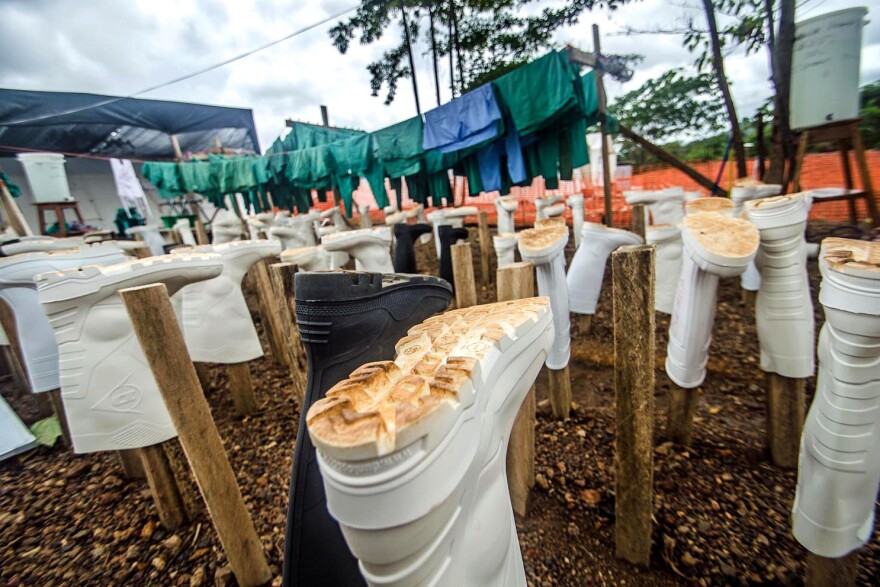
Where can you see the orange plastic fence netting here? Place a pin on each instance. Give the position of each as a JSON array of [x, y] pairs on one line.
[[819, 170]]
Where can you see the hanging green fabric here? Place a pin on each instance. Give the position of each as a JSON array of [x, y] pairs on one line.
[[13, 188], [397, 186], [242, 174], [195, 176], [165, 177], [354, 158], [437, 166], [399, 147], [304, 136], [310, 168]]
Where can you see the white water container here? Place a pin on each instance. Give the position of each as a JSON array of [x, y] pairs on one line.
[[46, 176], [825, 68]]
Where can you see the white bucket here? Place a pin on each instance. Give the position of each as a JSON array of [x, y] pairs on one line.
[[46, 176], [825, 68]]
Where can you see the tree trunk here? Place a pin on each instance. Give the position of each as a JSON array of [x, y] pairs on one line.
[[781, 49], [718, 66]]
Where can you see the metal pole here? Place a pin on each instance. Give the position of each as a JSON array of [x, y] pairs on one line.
[[600, 90], [412, 65]]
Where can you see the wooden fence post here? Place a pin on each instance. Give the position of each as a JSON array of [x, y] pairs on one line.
[[242, 389], [160, 337], [515, 282], [633, 287], [638, 220], [486, 246], [131, 464], [160, 477], [269, 311], [283, 283], [840, 572], [785, 418], [682, 404], [463, 274]]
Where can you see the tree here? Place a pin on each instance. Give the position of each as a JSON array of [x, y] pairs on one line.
[[869, 112], [487, 37]]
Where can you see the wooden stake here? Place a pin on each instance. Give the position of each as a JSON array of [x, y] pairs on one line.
[[58, 407], [131, 464], [638, 220], [282, 275], [160, 337], [748, 298], [155, 465], [15, 369], [840, 572], [463, 274], [633, 287], [583, 323], [515, 282], [141, 252], [603, 129], [680, 415], [269, 310], [203, 375], [13, 212], [785, 419], [486, 246], [242, 389], [560, 392]]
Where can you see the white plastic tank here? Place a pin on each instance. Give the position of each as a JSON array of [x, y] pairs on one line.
[[825, 68], [46, 176]]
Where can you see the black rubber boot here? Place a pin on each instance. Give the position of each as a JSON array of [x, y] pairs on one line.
[[405, 236], [345, 319], [448, 237]]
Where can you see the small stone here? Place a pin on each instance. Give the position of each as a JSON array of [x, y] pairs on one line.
[[224, 577], [158, 563], [147, 530], [172, 543], [572, 529], [542, 482], [198, 577], [590, 497], [688, 560]]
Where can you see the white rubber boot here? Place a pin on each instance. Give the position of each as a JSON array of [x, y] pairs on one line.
[[281, 217], [588, 265], [784, 307], [505, 244], [267, 218], [449, 217], [717, 205], [364, 212], [576, 203], [217, 325], [542, 204], [44, 245], [184, 229], [545, 249], [413, 452], [554, 211], [152, 237], [714, 246], [18, 289], [665, 206], [226, 227], [311, 258], [748, 189], [256, 227], [333, 214], [839, 465], [505, 207], [422, 219], [667, 263], [395, 218], [370, 247], [110, 396], [295, 232], [437, 218]]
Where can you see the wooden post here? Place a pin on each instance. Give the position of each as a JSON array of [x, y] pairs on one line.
[[58, 407], [160, 337], [638, 220], [865, 172], [463, 274], [203, 375], [785, 419], [13, 212], [603, 129], [633, 287], [682, 405], [515, 282], [169, 505], [268, 303], [840, 572], [15, 369], [282, 282], [131, 464], [485, 246], [748, 298], [242, 389], [201, 234], [583, 323], [560, 392]]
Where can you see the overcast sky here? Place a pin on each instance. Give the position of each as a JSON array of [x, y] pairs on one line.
[[120, 47]]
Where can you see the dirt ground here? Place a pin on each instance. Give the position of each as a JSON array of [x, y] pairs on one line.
[[721, 509]]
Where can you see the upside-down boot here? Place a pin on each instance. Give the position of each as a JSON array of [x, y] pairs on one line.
[[449, 236], [839, 463], [421, 218], [587, 269], [576, 203], [152, 237], [746, 190], [505, 245], [784, 306], [715, 204], [110, 396], [312, 258], [345, 319], [545, 249], [543, 204], [364, 212], [18, 290], [215, 319], [405, 236], [43, 245], [226, 228], [505, 207], [255, 227], [714, 246], [667, 263], [184, 229], [370, 248], [665, 206], [412, 452]]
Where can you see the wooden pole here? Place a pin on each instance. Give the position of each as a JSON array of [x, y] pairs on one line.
[[269, 304], [156, 327], [680, 411], [560, 392], [131, 464], [603, 129], [242, 389], [58, 407], [785, 419], [485, 246], [638, 220], [632, 268], [463, 274], [840, 572], [583, 323], [201, 234], [515, 282], [409, 52], [434, 52], [761, 151], [169, 504], [13, 212], [283, 284], [865, 172], [451, 46]]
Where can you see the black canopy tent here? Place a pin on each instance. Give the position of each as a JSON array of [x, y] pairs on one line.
[[92, 124]]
